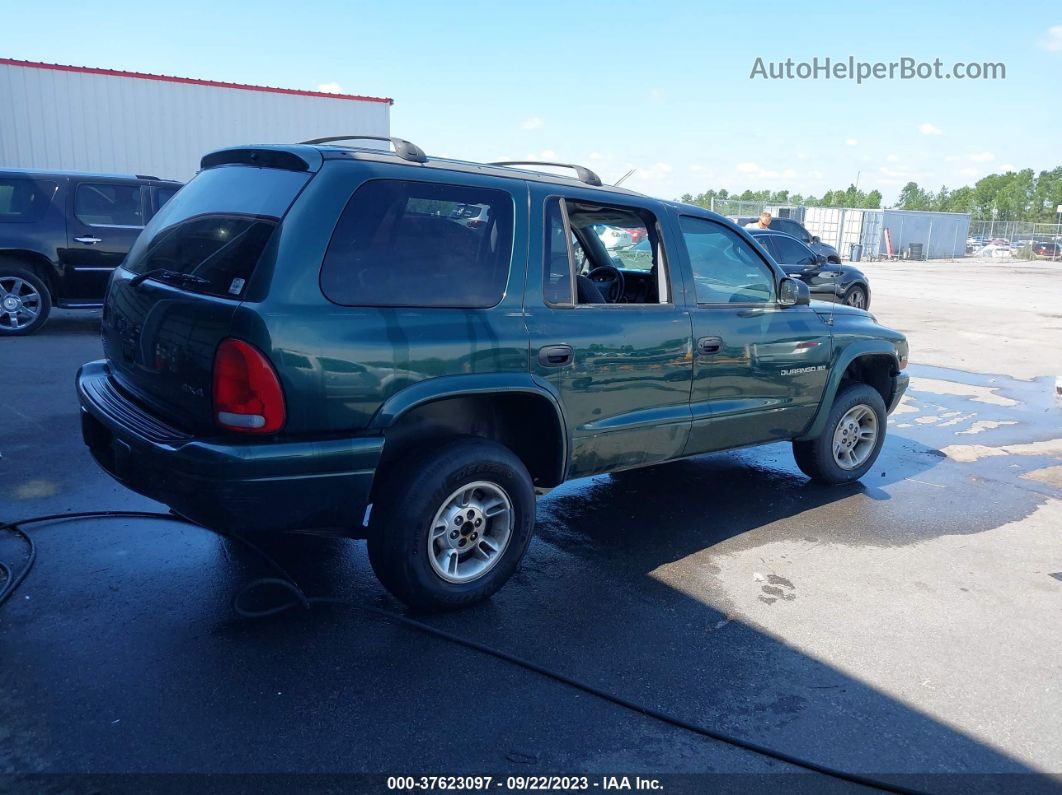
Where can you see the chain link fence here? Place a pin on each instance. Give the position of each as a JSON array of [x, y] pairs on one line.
[[936, 234]]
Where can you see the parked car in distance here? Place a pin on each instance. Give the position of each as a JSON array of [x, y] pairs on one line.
[[615, 237], [1051, 250], [796, 229], [827, 280], [306, 339], [61, 236]]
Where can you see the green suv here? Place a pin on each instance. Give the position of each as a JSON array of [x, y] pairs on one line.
[[354, 341]]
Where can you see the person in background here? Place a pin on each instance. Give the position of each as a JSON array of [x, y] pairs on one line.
[[763, 222]]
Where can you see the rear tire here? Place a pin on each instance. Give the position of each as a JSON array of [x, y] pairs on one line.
[[450, 527], [25, 302], [843, 452]]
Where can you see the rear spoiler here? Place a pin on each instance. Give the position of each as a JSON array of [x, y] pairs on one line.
[[288, 158]]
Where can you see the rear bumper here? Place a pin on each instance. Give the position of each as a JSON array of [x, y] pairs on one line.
[[900, 382], [319, 485]]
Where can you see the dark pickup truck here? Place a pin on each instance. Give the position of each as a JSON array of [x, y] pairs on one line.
[[384, 345]]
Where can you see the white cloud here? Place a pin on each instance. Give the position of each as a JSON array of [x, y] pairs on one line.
[[596, 156], [851, 142], [1005, 167], [893, 158], [1052, 39], [981, 157], [969, 172], [747, 168], [533, 123], [330, 88], [929, 129]]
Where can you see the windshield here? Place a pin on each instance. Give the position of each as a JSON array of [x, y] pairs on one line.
[[216, 228]]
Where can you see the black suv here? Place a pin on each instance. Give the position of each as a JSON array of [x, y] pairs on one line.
[[61, 236], [403, 348]]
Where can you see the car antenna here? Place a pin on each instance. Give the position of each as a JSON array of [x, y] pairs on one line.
[[616, 184]]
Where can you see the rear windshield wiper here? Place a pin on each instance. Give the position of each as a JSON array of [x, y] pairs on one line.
[[175, 277]]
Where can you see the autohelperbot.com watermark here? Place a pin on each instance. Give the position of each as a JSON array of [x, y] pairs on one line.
[[863, 71]]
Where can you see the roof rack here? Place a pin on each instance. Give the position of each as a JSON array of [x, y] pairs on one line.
[[582, 172], [403, 148], [146, 176]]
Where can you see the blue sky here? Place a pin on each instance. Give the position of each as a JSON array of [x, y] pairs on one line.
[[662, 87]]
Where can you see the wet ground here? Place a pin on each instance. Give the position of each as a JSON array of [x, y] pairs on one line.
[[909, 624]]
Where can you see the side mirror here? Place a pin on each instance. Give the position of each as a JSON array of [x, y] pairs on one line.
[[815, 239], [792, 292]]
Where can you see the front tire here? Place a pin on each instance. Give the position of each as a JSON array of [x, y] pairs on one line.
[[451, 527], [850, 442], [857, 297], [24, 301]]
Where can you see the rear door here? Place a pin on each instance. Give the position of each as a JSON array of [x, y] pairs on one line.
[[104, 218], [622, 370], [173, 301], [760, 368]]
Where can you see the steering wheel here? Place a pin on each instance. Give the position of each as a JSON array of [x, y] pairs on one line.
[[609, 281]]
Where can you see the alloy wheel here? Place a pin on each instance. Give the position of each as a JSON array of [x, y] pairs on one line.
[[470, 532], [20, 303], [855, 436]]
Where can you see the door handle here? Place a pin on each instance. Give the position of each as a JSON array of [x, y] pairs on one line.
[[90, 241], [709, 345], [555, 355]]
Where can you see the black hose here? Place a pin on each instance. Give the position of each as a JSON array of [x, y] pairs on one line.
[[299, 599]]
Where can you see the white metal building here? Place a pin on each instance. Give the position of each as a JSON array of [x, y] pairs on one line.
[[938, 235], [74, 118]]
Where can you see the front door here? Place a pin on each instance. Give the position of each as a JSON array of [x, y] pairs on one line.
[[606, 334], [103, 221], [760, 368]]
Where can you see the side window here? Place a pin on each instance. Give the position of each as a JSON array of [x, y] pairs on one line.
[[726, 269], [108, 205], [24, 199], [405, 243], [791, 252], [792, 228], [557, 287], [163, 195]]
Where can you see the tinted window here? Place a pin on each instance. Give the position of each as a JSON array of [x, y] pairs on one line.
[[412, 244], [216, 228], [791, 252], [790, 228], [557, 288], [726, 269], [163, 195], [108, 205], [23, 199]]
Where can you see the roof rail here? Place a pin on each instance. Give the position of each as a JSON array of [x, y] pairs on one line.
[[146, 176], [582, 172], [403, 148]]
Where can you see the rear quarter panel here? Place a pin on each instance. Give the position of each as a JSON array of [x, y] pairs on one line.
[[338, 364]]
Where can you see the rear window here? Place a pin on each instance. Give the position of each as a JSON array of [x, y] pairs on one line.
[[420, 244], [216, 228], [24, 199]]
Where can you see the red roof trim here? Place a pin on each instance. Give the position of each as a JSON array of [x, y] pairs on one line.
[[188, 80]]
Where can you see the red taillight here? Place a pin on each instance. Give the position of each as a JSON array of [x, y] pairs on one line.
[[247, 394]]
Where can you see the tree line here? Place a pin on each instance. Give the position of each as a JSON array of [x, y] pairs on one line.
[[1013, 196]]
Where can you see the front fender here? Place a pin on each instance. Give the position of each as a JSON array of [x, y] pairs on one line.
[[845, 357]]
